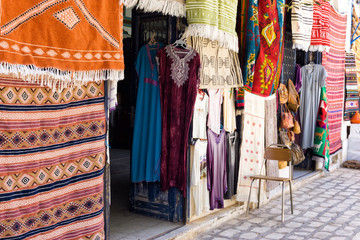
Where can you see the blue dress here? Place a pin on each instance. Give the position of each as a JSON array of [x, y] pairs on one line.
[[146, 148]]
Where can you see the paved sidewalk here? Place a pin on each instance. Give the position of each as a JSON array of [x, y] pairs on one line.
[[328, 208]]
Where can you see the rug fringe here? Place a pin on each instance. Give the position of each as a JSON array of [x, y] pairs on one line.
[[173, 8], [225, 39], [319, 48], [301, 46], [57, 79]]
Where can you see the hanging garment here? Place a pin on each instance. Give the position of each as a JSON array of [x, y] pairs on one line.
[[232, 163], [220, 66], [216, 166], [321, 141], [200, 115], [146, 147], [52, 161], [92, 49], [215, 101], [301, 24], [174, 8], [199, 191], [178, 77], [352, 93], [214, 20], [229, 110], [313, 79], [334, 62], [320, 33], [252, 146]]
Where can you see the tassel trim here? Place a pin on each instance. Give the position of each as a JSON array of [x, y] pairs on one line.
[[56, 79], [225, 39], [173, 8], [319, 48], [300, 46]]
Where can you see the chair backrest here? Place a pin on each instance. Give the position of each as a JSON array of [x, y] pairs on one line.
[[278, 154]]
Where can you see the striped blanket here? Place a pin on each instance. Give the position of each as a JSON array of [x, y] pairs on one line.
[[352, 93], [334, 62], [52, 157]]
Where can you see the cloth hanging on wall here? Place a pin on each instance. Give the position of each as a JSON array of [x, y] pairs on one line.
[[52, 161], [351, 87], [321, 148], [92, 50], [220, 66], [201, 110], [355, 32], [146, 147], [320, 33], [334, 62], [169, 7], [178, 77], [214, 20], [301, 24], [252, 147]]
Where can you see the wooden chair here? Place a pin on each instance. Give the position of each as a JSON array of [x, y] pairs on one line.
[[277, 152]]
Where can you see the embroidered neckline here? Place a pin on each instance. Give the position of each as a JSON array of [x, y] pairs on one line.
[[179, 67]]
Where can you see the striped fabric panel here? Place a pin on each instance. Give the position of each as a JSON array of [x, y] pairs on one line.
[[352, 92], [334, 62], [52, 157], [301, 22]]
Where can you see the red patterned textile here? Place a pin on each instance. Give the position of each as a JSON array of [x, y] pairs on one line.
[[320, 34], [334, 62]]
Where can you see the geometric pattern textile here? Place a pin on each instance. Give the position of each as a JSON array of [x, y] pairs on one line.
[[52, 158], [352, 92], [355, 32], [334, 63], [62, 42], [320, 33]]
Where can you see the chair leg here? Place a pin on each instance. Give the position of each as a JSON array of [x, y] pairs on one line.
[[282, 208], [291, 198], [259, 192], [248, 204]]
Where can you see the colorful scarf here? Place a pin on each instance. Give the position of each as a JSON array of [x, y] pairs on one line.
[[61, 43], [334, 62], [52, 151], [320, 35], [220, 67], [252, 147], [169, 7], [352, 93], [321, 139], [213, 19], [301, 24]]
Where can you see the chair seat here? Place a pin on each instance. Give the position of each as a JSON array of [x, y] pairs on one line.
[[278, 179]]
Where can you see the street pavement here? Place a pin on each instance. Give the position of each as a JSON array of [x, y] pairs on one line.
[[327, 208]]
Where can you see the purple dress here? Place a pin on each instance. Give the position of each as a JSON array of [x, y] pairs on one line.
[[216, 168]]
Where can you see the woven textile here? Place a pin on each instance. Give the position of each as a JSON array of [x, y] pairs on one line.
[[320, 35], [61, 42], [52, 151], [301, 24], [253, 146], [171, 7], [334, 62], [321, 139], [356, 45], [213, 19], [220, 67], [351, 87]]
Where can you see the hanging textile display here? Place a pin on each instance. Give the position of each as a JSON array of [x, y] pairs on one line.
[[94, 52], [301, 23], [214, 20], [232, 162], [52, 161], [201, 110], [334, 62], [355, 32], [253, 146], [351, 87], [178, 78], [146, 147], [321, 148], [320, 33], [169, 7], [220, 66]]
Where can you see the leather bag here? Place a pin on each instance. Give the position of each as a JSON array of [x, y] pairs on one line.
[[287, 119], [297, 129], [283, 93], [294, 99]]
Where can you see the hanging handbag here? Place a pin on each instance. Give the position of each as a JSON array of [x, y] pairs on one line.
[[297, 154], [291, 135], [294, 99], [297, 129], [283, 93], [284, 138], [287, 120]]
